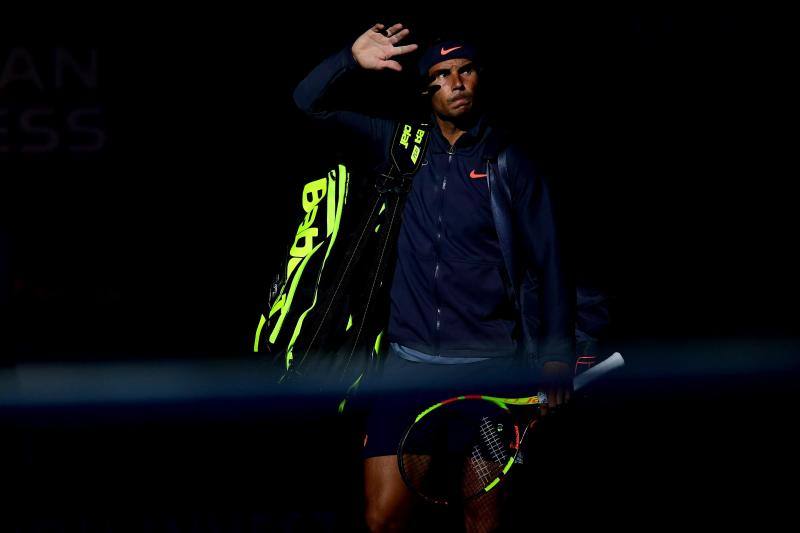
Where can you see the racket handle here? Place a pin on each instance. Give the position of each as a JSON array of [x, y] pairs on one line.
[[611, 363]]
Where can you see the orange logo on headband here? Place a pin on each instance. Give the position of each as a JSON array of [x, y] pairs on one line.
[[445, 52]]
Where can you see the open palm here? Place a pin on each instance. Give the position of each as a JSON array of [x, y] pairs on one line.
[[374, 51]]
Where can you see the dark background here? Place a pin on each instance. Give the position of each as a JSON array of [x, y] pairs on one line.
[[666, 137]]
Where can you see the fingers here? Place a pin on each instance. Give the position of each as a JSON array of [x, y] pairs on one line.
[[551, 401], [399, 36], [556, 396], [394, 29], [396, 33], [385, 49], [400, 50], [563, 395], [393, 65]]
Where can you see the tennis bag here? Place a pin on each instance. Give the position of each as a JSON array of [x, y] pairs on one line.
[[328, 306]]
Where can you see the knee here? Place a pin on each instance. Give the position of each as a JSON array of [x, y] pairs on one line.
[[382, 518]]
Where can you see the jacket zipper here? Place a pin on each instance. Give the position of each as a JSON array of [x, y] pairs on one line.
[[439, 230]]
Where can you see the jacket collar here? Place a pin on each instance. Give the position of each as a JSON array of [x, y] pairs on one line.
[[482, 136], [470, 138]]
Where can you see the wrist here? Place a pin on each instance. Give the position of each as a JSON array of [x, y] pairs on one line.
[[351, 57], [556, 372]]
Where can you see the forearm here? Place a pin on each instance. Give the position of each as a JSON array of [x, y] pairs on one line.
[[310, 92], [537, 222], [557, 333]]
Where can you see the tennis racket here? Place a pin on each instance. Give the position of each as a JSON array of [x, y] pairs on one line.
[[464, 446]]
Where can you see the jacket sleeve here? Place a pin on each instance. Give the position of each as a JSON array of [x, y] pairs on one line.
[[536, 226], [310, 96], [592, 315]]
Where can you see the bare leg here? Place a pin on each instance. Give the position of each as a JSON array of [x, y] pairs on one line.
[[482, 513], [388, 501]]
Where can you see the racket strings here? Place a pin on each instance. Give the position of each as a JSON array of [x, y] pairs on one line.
[[489, 455], [417, 469], [490, 438], [458, 451], [491, 443], [421, 464], [479, 466]]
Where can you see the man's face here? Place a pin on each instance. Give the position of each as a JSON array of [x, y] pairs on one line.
[[457, 80]]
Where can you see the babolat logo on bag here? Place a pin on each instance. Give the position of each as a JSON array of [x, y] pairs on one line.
[[408, 147], [294, 295], [329, 306]]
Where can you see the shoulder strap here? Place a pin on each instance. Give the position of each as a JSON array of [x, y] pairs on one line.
[[409, 145], [502, 164]]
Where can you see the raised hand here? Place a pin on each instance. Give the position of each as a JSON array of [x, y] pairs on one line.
[[374, 51]]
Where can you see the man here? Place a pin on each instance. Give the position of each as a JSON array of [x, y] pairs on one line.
[[458, 287]]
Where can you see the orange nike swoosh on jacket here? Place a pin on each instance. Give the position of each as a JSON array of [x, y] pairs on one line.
[[475, 176]]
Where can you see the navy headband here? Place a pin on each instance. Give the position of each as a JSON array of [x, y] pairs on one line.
[[444, 50]]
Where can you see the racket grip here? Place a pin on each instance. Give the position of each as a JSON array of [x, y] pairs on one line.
[[612, 363]]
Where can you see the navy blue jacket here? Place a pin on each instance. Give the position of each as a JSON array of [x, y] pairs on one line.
[[473, 241]]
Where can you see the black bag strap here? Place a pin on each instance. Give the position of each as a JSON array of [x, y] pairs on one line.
[[409, 144], [377, 232], [502, 185]]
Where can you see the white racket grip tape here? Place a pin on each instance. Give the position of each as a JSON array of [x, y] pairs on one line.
[[613, 362]]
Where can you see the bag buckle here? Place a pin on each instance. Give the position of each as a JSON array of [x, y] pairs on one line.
[[388, 183]]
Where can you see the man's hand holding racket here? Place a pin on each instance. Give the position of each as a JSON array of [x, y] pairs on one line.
[[464, 446], [557, 379]]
